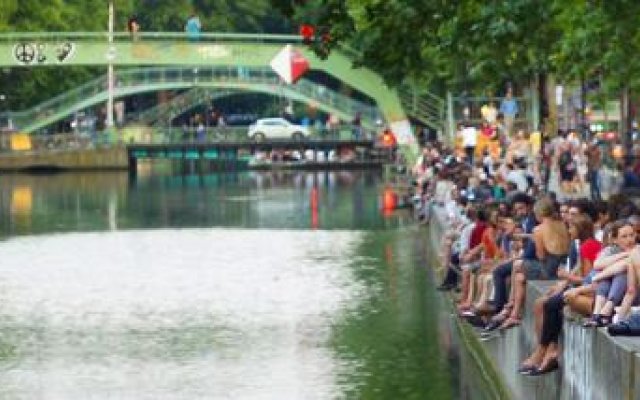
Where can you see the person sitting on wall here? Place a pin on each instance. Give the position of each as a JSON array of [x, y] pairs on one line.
[[551, 240], [548, 308]]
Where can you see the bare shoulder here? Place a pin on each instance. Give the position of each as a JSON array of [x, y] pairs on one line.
[[634, 256]]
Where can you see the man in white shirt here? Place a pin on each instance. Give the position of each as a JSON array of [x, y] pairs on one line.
[[469, 141], [518, 176]]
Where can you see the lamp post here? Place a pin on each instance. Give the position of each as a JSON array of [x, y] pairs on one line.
[[4, 111], [3, 103], [110, 75], [4, 125]]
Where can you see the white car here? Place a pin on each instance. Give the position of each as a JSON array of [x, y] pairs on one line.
[[276, 128]]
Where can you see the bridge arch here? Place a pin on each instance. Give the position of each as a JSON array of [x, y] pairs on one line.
[[142, 80]]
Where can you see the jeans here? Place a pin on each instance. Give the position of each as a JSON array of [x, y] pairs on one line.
[[614, 288], [594, 183], [552, 319], [451, 278], [500, 275], [470, 150]]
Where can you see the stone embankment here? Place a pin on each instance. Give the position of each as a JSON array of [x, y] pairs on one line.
[[113, 158]]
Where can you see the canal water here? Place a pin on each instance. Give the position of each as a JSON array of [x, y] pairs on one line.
[[270, 285]]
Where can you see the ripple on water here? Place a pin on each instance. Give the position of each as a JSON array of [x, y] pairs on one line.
[[208, 313]]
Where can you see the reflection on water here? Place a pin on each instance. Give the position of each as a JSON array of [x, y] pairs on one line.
[[283, 199], [282, 285]]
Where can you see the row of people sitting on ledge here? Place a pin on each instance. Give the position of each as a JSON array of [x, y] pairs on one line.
[[596, 268], [492, 248]]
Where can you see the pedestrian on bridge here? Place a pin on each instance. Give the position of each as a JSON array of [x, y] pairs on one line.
[[193, 27], [133, 26]]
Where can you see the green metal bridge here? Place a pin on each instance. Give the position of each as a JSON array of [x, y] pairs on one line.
[[211, 52], [209, 81]]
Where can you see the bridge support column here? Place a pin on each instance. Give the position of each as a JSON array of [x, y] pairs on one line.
[[233, 159], [132, 165], [201, 162], [391, 106]]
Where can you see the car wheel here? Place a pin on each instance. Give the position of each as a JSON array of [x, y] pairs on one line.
[[258, 136], [297, 136]]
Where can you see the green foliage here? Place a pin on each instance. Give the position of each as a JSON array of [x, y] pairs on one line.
[[26, 87], [479, 44]]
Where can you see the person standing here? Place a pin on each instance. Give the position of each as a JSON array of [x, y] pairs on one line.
[[594, 163], [193, 27], [469, 141], [489, 113], [509, 110], [356, 126]]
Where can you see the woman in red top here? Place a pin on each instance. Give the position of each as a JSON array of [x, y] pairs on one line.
[[548, 308], [490, 253]]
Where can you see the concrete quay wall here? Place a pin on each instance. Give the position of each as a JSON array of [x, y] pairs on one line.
[[593, 366], [81, 159]]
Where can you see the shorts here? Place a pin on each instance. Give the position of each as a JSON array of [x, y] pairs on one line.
[[473, 266], [547, 269]]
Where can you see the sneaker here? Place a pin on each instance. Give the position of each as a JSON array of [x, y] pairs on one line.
[[476, 321], [488, 335]]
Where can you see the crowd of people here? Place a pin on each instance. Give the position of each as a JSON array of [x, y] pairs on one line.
[[532, 210]]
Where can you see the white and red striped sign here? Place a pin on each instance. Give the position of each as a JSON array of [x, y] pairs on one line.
[[289, 64]]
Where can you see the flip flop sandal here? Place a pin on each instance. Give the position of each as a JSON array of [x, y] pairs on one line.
[[527, 369], [592, 322], [552, 366], [604, 320], [468, 313], [510, 323]]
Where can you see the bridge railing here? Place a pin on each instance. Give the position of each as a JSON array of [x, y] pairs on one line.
[[239, 134], [165, 113], [127, 80], [169, 135], [424, 106]]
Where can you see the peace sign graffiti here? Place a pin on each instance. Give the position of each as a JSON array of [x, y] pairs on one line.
[[36, 53], [25, 53]]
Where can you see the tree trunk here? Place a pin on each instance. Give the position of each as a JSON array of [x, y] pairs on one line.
[[551, 123], [625, 118], [582, 124]]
